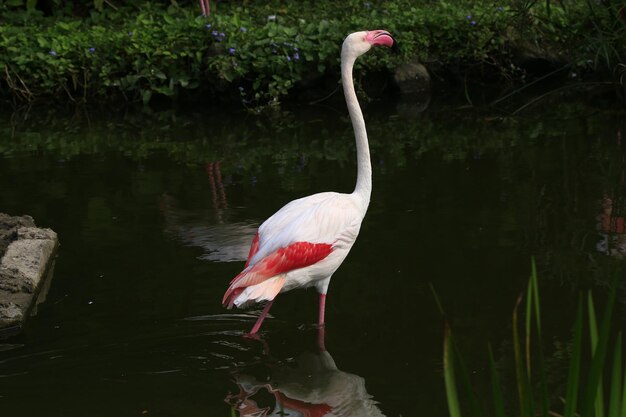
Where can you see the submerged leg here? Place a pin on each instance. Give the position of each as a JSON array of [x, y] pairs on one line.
[[320, 324], [320, 321], [321, 339], [259, 321]]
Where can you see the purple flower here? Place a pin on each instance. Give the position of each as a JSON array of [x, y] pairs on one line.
[[473, 23], [53, 53], [92, 50], [296, 56], [243, 29], [295, 48], [208, 26], [500, 8], [288, 58], [130, 33], [215, 33], [222, 34], [468, 17], [231, 51]]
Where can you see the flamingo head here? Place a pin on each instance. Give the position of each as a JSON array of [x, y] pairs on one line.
[[359, 43]]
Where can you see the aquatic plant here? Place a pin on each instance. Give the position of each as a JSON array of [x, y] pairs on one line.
[[594, 389]]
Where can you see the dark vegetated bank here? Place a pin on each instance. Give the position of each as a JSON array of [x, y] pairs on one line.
[[259, 54]]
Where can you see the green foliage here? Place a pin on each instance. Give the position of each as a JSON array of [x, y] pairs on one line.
[[259, 53], [584, 390]]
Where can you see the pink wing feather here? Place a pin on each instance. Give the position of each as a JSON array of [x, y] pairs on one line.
[[295, 256], [253, 250]]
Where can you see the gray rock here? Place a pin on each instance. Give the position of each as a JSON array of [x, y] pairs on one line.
[[14, 281], [11, 311], [24, 268], [412, 78], [9, 226], [28, 255]]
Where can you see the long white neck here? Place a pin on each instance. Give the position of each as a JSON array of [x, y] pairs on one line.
[[363, 188]]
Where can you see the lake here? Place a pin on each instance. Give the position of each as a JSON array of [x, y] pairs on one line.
[[155, 212]]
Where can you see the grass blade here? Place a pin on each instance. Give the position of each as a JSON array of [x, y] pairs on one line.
[[534, 292], [455, 363], [622, 412], [573, 376], [615, 400], [451, 356], [599, 359], [529, 316], [593, 335], [523, 390], [593, 324], [449, 374], [496, 387]]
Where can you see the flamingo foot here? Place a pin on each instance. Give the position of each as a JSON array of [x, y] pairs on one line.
[[252, 336]]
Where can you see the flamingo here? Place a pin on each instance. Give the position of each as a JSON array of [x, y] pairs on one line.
[[304, 242]]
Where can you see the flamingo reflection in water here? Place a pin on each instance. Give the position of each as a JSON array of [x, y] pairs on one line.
[[312, 387], [221, 240], [611, 227]]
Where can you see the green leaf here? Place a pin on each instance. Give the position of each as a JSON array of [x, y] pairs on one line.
[[165, 90], [146, 96], [290, 31], [159, 74]]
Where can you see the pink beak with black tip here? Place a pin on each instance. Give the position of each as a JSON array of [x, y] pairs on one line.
[[380, 37]]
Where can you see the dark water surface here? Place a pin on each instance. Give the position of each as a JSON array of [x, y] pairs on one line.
[[155, 213]]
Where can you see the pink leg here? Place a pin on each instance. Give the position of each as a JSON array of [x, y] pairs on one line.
[[320, 322], [218, 177], [259, 321]]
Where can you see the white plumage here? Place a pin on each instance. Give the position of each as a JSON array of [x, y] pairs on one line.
[[304, 243]]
